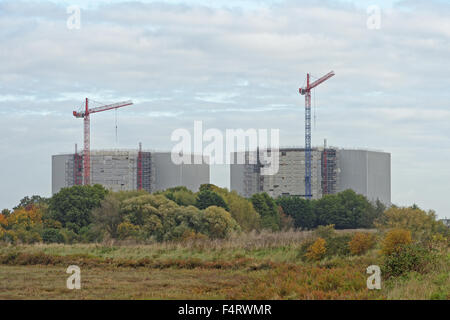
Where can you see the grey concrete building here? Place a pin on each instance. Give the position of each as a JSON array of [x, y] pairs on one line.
[[365, 172], [129, 170], [333, 170]]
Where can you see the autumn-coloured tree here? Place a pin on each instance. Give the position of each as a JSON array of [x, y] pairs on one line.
[[422, 225], [361, 243], [395, 239], [3, 221], [25, 218], [317, 250]]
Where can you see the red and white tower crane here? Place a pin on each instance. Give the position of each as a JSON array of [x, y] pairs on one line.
[[87, 139]]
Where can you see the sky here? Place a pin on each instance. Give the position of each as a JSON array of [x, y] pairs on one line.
[[232, 64]]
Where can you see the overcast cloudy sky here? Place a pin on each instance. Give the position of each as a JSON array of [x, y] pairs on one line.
[[232, 64]]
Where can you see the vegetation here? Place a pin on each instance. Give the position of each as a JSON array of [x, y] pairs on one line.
[[257, 248], [83, 214]]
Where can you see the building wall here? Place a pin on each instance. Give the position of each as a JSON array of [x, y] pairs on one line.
[[118, 170], [245, 178], [290, 179], [169, 175], [366, 172], [115, 170], [62, 165]]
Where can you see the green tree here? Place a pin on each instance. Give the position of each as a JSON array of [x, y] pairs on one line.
[[268, 210], [346, 210], [108, 216], [207, 198], [242, 210], [6, 212], [33, 200], [73, 206], [180, 195], [51, 235], [357, 209], [300, 209], [329, 210], [218, 222]]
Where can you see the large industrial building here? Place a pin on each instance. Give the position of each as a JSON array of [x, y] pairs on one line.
[[332, 170], [128, 170]]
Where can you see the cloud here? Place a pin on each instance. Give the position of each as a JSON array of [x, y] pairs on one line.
[[231, 65]]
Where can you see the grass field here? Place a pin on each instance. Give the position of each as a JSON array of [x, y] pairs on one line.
[[263, 266]]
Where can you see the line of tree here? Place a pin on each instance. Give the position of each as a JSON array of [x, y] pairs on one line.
[[92, 213]]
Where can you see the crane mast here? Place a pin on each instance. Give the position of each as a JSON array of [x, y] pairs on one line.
[[87, 129], [307, 93]]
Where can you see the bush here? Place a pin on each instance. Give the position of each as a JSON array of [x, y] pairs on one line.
[[395, 239], [406, 258], [126, 230], [90, 234], [51, 235], [361, 243], [325, 232], [338, 245], [69, 236], [317, 250], [219, 223]]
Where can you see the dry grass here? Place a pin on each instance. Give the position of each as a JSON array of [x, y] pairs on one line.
[[252, 266], [39, 282]]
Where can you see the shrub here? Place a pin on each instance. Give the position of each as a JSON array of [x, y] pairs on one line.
[[395, 239], [51, 235], [219, 223], [90, 234], [190, 235], [406, 258], [338, 245], [361, 243], [69, 236], [325, 232], [127, 230], [317, 250]]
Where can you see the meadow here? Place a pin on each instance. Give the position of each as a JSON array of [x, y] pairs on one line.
[[255, 265]]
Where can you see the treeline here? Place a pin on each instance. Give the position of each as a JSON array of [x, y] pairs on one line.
[[92, 214]]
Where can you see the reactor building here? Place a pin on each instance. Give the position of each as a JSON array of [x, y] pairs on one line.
[[124, 170], [332, 170]]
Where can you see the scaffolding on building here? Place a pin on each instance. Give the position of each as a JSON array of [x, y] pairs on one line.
[[329, 170]]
